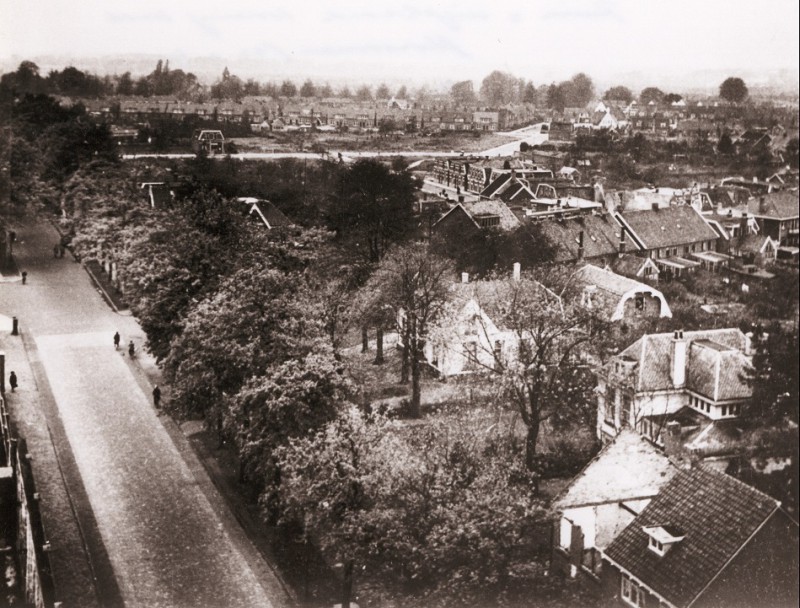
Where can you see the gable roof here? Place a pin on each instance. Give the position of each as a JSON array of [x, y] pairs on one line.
[[667, 227], [600, 236], [653, 356], [717, 516], [631, 265], [268, 214], [627, 468], [778, 205]]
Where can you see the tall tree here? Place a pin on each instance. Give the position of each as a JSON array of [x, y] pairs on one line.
[[382, 92], [364, 93], [499, 88], [546, 377], [308, 89], [372, 207], [733, 89], [651, 94], [618, 93], [413, 282], [774, 377], [529, 93], [463, 93], [581, 90], [288, 89]]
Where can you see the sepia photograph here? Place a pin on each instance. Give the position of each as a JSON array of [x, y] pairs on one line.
[[411, 304]]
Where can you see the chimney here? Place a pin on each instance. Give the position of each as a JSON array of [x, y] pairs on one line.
[[465, 277], [679, 348], [673, 448], [654, 206], [762, 205], [755, 179], [622, 241], [743, 225], [517, 267], [580, 245]]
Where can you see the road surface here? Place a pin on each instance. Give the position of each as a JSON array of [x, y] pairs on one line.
[[168, 547]]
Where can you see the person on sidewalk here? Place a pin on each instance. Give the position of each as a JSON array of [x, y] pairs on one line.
[[24, 277], [116, 340], [12, 381], [157, 397], [131, 349]]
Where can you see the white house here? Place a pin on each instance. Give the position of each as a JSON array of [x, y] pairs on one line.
[[659, 375], [604, 498]]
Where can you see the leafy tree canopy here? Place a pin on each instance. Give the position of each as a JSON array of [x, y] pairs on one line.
[[733, 89]]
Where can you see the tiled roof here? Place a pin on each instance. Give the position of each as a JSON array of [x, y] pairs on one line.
[[600, 237], [496, 184], [717, 516], [778, 205], [628, 468], [508, 221], [668, 227], [653, 354], [716, 372]]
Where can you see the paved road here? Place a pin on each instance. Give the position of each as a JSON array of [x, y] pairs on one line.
[[166, 544]]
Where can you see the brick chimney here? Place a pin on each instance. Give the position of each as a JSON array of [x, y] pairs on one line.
[[622, 241], [679, 352], [743, 225], [517, 268], [465, 277], [580, 246]]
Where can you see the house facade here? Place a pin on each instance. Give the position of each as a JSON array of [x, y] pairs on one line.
[[660, 378]]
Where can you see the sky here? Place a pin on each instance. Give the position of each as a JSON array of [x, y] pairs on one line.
[[418, 40]]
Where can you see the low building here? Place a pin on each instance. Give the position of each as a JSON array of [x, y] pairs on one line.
[[677, 238], [706, 540], [603, 499], [616, 298], [778, 216]]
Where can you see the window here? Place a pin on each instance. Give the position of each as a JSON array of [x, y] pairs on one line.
[[657, 546], [631, 592], [639, 302]]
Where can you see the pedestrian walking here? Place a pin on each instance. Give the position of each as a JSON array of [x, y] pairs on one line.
[[131, 349], [157, 397], [12, 381], [24, 277], [116, 340]]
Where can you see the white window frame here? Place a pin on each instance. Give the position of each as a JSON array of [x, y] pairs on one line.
[[631, 593]]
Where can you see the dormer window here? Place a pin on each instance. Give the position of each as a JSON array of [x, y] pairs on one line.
[[662, 538]]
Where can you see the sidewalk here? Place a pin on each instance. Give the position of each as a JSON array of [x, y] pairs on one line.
[[73, 573]]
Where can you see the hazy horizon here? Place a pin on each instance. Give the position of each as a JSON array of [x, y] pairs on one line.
[[678, 44]]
